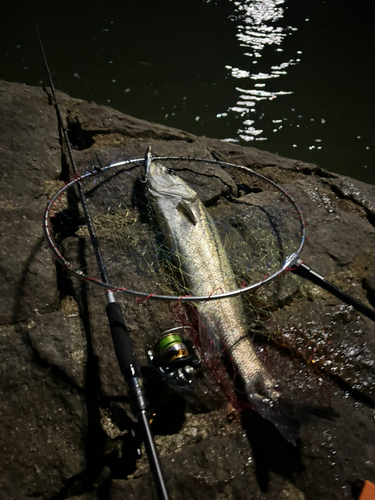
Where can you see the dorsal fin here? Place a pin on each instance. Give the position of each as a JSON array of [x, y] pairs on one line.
[[184, 207]]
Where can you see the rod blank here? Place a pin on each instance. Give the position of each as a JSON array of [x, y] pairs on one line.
[[120, 334]]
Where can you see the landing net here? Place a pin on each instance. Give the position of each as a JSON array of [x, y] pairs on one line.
[[260, 225]]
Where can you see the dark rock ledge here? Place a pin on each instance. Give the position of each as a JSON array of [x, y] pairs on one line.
[[63, 407]]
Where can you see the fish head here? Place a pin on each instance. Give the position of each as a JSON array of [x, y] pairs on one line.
[[162, 182]]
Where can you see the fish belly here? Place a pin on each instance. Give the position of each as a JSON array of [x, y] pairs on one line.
[[197, 248]]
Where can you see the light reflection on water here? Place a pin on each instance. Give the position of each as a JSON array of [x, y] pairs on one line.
[[290, 77], [259, 30]]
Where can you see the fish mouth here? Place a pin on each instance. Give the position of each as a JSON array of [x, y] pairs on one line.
[[162, 182], [154, 171], [157, 179]]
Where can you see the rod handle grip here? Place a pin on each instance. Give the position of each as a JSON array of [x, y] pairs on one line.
[[126, 358], [121, 340]]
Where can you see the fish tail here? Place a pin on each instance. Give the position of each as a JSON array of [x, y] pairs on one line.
[[281, 412], [284, 410]]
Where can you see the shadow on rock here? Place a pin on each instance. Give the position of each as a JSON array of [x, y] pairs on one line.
[[270, 450]]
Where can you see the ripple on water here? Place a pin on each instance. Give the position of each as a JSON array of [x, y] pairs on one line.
[[260, 26]]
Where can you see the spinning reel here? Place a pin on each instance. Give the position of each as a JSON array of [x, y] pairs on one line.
[[174, 361]]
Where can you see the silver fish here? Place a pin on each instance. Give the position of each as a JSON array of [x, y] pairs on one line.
[[192, 237]]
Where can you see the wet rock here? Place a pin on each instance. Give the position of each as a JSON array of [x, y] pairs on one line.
[[332, 338], [43, 427], [369, 285], [107, 121], [346, 458], [59, 341], [30, 156], [220, 468], [64, 407], [85, 496], [360, 193]]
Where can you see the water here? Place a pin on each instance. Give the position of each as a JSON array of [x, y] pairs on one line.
[[291, 77]]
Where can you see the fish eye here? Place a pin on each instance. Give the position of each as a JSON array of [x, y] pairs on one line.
[[171, 171]]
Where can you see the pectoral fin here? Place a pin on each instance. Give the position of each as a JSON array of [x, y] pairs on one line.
[[187, 211]]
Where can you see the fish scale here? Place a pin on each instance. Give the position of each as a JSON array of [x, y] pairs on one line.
[[205, 264], [195, 245]]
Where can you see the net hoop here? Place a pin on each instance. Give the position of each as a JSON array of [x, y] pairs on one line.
[[289, 262]]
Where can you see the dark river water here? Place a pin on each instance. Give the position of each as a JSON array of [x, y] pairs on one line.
[[289, 76]]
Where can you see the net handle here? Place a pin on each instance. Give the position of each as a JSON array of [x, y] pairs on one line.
[[289, 262]]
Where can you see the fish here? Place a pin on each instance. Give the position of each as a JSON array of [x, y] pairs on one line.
[[192, 237]]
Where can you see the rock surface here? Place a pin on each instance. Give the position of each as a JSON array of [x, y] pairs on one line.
[[65, 415]]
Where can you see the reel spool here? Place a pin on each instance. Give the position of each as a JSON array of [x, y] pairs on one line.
[[174, 361]]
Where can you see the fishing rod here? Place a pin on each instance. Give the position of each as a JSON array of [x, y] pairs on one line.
[[120, 333]]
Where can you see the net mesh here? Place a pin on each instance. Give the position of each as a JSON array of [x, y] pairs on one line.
[[259, 224], [260, 228]]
